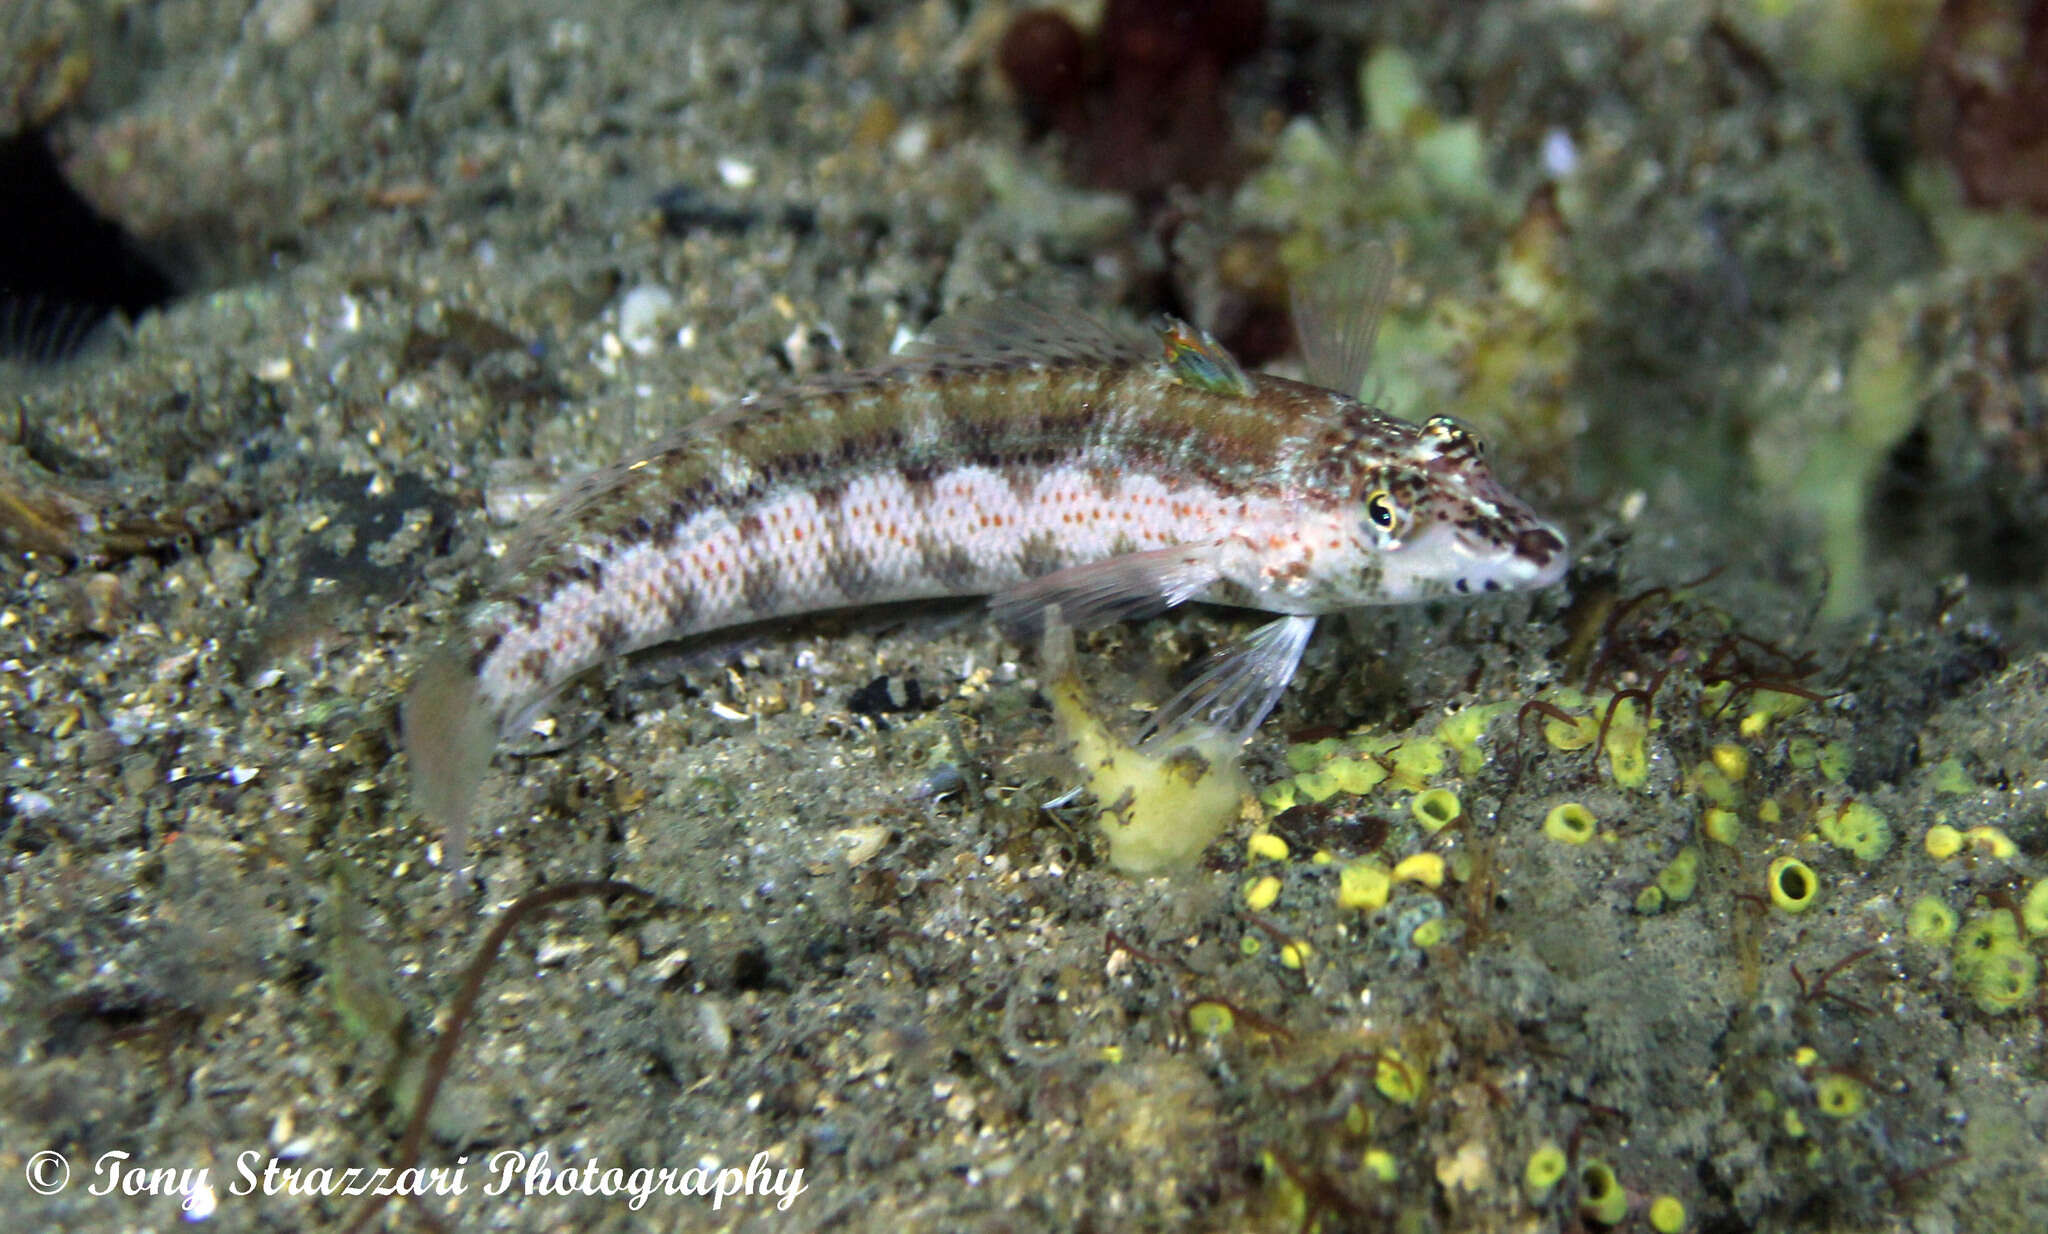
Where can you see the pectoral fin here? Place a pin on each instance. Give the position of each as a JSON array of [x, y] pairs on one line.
[[1235, 692], [1133, 586]]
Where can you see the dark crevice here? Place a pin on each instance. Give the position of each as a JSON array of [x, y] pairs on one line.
[[64, 267]]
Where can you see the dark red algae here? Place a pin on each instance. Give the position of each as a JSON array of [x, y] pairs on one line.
[[1142, 103]]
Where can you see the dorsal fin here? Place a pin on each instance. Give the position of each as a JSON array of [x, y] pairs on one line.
[[1337, 314], [1194, 358], [1011, 331]]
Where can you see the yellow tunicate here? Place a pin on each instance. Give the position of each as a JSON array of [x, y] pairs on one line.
[[1416, 762], [1357, 776], [1260, 893], [1575, 734], [1721, 826], [1794, 1125], [1983, 938], [1436, 808], [1160, 808], [1210, 1019], [1570, 823], [1650, 900], [1295, 953], [1667, 1214], [1317, 786], [1943, 842], [2004, 979], [1708, 781], [2034, 909], [1397, 1081], [1856, 828], [1462, 730], [1950, 776], [1930, 921], [1840, 1096], [1835, 759], [1992, 842], [1768, 706], [1731, 759], [1545, 1170], [1568, 737], [1805, 1056], [1310, 755], [1428, 934], [1266, 846], [1278, 797], [1769, 811], [1678, 879], [1714, 697], [1792, 884], [1424, 868], [1364, 885], [1628, 752], [1601, 1195], [1379, 1163]]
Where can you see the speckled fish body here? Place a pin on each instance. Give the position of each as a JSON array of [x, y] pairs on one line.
[[1053, 462]]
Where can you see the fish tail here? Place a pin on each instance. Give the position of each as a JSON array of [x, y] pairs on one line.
[[449, 735]]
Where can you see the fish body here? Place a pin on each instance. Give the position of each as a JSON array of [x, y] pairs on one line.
[[1057, 464]]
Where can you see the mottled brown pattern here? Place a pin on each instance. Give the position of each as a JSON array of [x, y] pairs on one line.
[[1040, 555], [680, 607], [849, 570], [761, 585], [946, 561], [535, 664]]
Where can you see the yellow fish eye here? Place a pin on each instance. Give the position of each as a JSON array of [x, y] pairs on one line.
[[1380, 508]]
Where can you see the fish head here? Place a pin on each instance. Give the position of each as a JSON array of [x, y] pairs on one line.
[[1437, 523]]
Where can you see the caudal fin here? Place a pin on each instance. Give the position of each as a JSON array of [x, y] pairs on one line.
[[449, 735]]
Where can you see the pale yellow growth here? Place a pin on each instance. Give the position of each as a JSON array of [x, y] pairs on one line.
[[1424, 868], [1722, 826], [1265, 846], [1569, 823], [1364, 885], [1160, 810], [1357, 775], [1380, 1165], [1462, 730], [1943, 842], [1992, 842], [1417, 762], [1628, 754]]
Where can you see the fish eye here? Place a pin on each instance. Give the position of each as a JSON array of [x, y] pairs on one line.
[[1379, 507]]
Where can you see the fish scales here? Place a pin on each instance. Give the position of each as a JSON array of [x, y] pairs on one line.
[[925, 484], [1059, 464]]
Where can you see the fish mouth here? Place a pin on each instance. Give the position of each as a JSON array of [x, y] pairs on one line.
[[1444, 559]]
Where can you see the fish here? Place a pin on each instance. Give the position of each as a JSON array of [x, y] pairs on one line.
[[1064, 466]]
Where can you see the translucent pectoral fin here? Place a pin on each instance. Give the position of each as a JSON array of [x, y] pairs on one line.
[[1133, 586], [1236, 691], [448, 740]]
